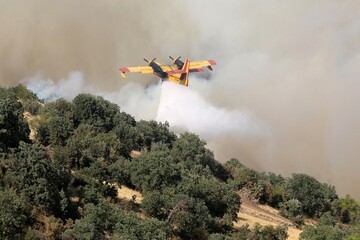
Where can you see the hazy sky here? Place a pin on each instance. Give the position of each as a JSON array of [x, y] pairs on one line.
[[283, 97]]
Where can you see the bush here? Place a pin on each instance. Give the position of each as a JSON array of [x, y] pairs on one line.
[[95, 110], [292, 210], [13, 216], [315, 197], [13, 126]]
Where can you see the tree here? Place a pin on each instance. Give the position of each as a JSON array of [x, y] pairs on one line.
[[189, 217], [129, 226], [97, 219], [87, 145], [315, 197], [347, 209], [292, 210], [153, 132], [354, 231], [242, 176], [154, 170], [326, 229], [59, 130], [13, 126], [56, 124], [13, 216], [189, 151], [31, 172], [219, 198], [127, 137], [95, 110], [158, 204]]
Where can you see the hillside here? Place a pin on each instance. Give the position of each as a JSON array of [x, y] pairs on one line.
[[62, 164], [250, 213]]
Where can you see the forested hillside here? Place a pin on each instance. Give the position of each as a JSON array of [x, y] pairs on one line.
[[62, 182]]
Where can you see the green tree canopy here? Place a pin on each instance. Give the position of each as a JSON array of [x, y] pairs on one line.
[[13, 216], [154, 170], [33, 174], [95, 110], [326, 229], [13, 126], [315, 197], [151, 132]]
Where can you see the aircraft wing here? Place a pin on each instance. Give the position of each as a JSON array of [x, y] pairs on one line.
[[143, 69], [195, 66], [167, 68]]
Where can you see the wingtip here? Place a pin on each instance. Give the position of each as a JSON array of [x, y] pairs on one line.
[[212, 62]]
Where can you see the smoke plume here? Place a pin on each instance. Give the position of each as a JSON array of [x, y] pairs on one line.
[[284, 95]]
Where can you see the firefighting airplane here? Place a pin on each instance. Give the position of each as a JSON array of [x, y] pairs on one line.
[[177, 73]]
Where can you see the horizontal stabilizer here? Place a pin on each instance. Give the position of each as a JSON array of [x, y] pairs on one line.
[[176, 71], [123, 71], [196, 70]]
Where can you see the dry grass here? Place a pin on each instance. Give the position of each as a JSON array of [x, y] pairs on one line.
[[33, 123], [128, 194], [252, 213]]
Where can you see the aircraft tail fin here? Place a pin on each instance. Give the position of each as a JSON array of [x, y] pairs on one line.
[[180, 76], [184, 78]]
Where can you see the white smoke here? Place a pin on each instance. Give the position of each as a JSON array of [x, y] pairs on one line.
[[134, 98], [288, 67], [48, 90], [186, 110]]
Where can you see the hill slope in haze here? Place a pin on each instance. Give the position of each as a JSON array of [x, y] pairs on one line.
[[63, 183]]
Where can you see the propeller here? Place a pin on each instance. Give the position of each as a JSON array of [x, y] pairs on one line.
[[175, 58], [150, 61]]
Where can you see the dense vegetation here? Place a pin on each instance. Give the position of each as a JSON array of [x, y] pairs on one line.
[[63, 183]]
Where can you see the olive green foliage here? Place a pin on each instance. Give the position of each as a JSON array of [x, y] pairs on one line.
[[88, 144], [129, 226], [105, 217], [22, 93], [278, 189], [259, 232], [153, 132], [218, 197], [154, 171], [57, 124], [354, 233], [295, 197], [64, 184], [260, 185], [13, 215], [190, 153], [242, 176], [180, 185], [315, 197], [95, 111], [13, 126], [29, 99], [31, 172], [347, 209], [292, 210], [326, 229]]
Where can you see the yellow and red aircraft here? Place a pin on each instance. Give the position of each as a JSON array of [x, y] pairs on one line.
[[178, 72]]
